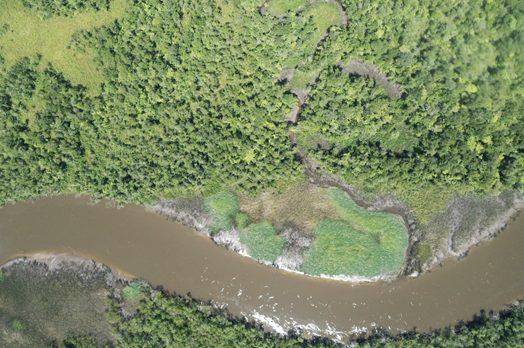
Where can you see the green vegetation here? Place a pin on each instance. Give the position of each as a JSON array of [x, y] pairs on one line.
[[302, 79], [176, 86], [153, 99], [161, 320], [242, 220], [302, 205], [361, 243], [48, 8], [389, 228], [18, 325], [459, 125], [262, 241], [178, 322], [506, 331], [79, 342], [282, 7], [312, 26], [132, 291], [182, 109], [223, 208], [28, 35], [324, 15], [39, 306]]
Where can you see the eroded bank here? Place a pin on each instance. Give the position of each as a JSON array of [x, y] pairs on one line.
[[146, 245]]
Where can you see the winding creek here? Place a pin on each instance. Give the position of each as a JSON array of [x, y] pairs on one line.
[[143, 244]]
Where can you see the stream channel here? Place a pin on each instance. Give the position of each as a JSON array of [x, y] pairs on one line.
[[135, 242]]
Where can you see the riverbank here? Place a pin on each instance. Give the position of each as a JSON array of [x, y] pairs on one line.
[[75, 302], [467, 221], [46, 299], [308, 229], [65, 301], [182, 261]]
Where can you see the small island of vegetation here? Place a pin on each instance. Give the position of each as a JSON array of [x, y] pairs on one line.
[[355, 140]]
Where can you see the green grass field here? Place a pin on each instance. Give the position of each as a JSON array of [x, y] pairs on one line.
[[359, 243], [262, 241], [282, 7], [303, 205], [223, 208], [28, 35]]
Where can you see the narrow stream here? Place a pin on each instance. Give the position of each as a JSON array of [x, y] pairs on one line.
[[146, 245]]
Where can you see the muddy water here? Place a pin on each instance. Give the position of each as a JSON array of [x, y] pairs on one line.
[[164, 253]]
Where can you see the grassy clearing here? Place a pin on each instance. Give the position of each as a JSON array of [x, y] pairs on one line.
[[301, 79], [242, 220], [359, 243], [223, 208], [424, 253], [262, 241], [428, 201], [302, 204], [132, 291], [323, 16], [28, 35], [282, 7]]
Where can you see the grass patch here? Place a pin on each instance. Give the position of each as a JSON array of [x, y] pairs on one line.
[[359, 243], [424, 253], [262, 241], [28, 34], [223, 208], [242, 220], [18, 325], [302, 204], [324, 15], [282, 7], [427, 201], [301, 79], [132, 291]]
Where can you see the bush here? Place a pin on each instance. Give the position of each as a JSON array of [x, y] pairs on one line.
[[262, 242], [223, 208]]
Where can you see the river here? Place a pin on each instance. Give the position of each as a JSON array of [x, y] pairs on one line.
[[144, 244]]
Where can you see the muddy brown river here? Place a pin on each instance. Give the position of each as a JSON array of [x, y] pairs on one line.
[[146, 245]]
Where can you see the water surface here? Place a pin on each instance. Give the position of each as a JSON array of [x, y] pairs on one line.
[[164, 253]]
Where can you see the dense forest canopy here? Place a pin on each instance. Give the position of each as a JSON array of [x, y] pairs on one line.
[[459, 121], [191, 100]]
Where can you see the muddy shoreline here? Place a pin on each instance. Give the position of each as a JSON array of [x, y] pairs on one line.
[[79, 269], [175, 257], [190, 212], [199, 221]]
